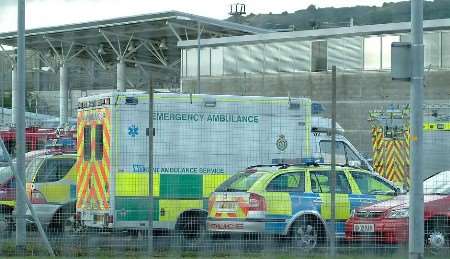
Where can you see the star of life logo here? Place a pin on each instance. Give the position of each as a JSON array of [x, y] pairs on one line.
[[133, 131]]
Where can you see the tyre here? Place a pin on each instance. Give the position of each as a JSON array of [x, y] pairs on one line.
[[306, 234], [437, 235], [192, 232], [63, 222]]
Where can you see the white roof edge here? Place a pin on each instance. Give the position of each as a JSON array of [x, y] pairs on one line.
[[141, 93], [376, 29]]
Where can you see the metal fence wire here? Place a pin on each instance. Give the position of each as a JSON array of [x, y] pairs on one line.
[[231, 175]]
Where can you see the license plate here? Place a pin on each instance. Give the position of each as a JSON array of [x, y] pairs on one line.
[[98, 219], [226, 206], [367, 228]]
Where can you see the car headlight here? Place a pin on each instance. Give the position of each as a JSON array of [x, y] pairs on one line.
[[398, 214]]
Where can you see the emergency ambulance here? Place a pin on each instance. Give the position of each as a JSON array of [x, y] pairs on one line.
[[199, 141]]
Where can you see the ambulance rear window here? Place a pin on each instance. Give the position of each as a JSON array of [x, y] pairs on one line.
[[99, 142], [240, 182], [87, 143]]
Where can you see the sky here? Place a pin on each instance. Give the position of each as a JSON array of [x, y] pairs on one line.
[[44, 13]]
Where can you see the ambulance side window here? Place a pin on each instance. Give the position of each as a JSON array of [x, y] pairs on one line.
[[344, 153], [87, 143], [325, 150], [99, 142]]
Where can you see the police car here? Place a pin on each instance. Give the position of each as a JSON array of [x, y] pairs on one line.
[[293, 200], [51, 187]]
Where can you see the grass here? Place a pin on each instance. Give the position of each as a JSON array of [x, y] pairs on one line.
[[173, 254], [65, 250]]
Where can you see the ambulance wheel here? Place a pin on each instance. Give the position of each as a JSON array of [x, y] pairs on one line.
[[63, 221], [191, 230], [306, 234]]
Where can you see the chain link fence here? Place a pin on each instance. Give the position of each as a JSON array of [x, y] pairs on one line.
[[237, 172]]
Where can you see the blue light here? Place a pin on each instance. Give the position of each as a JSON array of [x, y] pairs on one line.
[[298, 161]]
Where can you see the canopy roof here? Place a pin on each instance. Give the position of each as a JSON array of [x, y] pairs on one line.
[[150, 38]]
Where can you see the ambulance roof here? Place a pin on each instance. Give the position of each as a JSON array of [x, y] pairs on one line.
[[302, 100]]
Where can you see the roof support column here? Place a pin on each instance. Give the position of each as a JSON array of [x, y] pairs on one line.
[[63, 95], [63, 57], [13, 94], [121, 75], [199, 35]]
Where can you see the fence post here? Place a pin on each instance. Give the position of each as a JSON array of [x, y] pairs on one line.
[[150, 168], [333, 165], [416, 199], [21, 235]]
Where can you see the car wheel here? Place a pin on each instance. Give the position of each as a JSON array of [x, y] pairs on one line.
[[68, 224], [305, 234], [437, 236]]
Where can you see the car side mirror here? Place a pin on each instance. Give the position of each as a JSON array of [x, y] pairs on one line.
[[368, 158], [401, 190], [354, 163]]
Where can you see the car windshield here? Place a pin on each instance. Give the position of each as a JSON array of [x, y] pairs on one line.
[[437, 184], [32, 168], [53, 169], [3, 157], [5, 174], [31, 162], [240, 182]]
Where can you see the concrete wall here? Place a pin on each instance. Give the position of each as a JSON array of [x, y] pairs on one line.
[[357, 93]]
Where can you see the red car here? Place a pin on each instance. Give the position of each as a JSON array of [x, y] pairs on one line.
[[387, 221]]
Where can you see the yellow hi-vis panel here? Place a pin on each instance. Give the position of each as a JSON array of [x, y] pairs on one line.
[[442, 126], [278, 203], [391, 155], [55, 192], [211, 182], [93, 169], [342, 206], [133, 184], [170, 210]]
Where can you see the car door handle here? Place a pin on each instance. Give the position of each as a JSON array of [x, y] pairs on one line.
[[364, 203]]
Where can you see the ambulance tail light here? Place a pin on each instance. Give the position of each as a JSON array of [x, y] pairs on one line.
[[108, 219], [37, 197], [78, 216], [256, 202]]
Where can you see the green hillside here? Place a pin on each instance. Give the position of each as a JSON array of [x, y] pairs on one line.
[[317, 18]]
